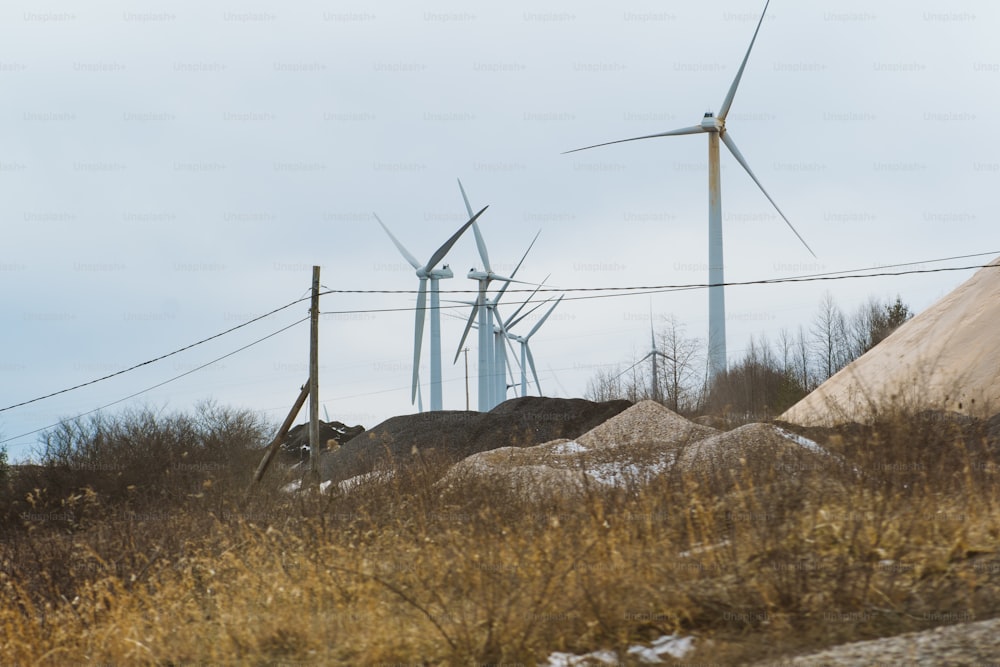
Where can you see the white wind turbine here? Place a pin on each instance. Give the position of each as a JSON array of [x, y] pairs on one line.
[[526, 356], [715, 127], [492, 385], [427, 272], [654, 355]]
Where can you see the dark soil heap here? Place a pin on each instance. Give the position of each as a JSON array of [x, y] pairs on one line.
[[331, 435], [453, 435]]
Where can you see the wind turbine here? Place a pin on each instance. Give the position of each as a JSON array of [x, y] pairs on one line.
[[526, 356], [427, 272], [715, 127], [492, 385], [654, 355]]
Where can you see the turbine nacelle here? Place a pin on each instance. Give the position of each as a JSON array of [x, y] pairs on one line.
[[444, 272], [710, 123]]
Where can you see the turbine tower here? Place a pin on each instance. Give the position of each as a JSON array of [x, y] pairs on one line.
[[427, 272], [715, 127]]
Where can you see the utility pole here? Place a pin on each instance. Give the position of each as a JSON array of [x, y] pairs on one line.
[[466, 350], [314, 379]]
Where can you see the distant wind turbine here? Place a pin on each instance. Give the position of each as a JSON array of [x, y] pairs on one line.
[[715, 126], [526, 356], [492, 384], [427, 272]]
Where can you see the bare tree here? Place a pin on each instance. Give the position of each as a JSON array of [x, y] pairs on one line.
[[680, 367], [800, 362], [830, 342], [606, 385]]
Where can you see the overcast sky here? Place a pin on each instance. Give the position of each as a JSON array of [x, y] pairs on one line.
[[169, 171]]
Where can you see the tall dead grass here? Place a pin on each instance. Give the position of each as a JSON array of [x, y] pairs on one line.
[[754, 561]]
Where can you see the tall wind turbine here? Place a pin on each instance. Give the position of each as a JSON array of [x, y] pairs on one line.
[[491, 360], [715, 127], [427, 272]]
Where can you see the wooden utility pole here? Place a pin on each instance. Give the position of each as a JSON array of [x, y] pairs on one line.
[[314, 379]]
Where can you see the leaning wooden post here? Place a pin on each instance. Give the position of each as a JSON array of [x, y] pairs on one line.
[[280, 437], [314, 379]]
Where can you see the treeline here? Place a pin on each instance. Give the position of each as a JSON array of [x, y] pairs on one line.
[[771, 375]]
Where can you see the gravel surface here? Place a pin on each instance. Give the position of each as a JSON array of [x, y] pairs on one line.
[[966, 644]]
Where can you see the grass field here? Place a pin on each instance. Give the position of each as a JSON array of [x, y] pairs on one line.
[[133, 543]]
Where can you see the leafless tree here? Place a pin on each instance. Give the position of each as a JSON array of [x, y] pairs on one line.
[[680, 367], [830, 341]]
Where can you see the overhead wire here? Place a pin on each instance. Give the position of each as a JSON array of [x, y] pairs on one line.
[[159, 384], [151, 361]]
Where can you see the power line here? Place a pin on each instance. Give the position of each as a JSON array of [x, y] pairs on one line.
[[151, 361], [638, 290], [159, 384]]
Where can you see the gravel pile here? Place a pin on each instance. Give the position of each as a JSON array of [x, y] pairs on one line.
[[637, 444], [646, 421], [964, 644], [762, 447]]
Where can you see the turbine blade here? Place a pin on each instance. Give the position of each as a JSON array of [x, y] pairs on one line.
[[443, 250], [480, 242], [652, 336], [731, 145], [468, 325], [406, 253], [511, 321], [465, 198], [531, 363], [418, 336], [540, 322], [511, 279], [511, 325], [728, 102], [694, 129]]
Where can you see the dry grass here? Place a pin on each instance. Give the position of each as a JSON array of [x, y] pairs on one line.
[[401, 572]]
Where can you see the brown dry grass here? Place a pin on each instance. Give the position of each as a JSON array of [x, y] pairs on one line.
[[400, 572]]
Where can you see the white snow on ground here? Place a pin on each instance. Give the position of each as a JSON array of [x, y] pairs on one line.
[[346, 485], [616, 474], [571, 447], [676, 647], [802, 441], [357, 480]]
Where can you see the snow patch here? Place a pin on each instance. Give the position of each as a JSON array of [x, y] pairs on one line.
[[667, 645], [571, 447]]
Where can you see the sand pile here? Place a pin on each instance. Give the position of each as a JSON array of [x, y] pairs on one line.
[[646, 421], [762, 448], [635, 445], [946, 358], [642, 443]]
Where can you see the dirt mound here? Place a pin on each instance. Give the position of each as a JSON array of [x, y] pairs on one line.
[[454, 435], [331, 435], [635, 445], [760, 448], [943, 359], [646, 421]]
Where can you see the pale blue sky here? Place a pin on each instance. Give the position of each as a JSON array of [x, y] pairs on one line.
[[167, 172]]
